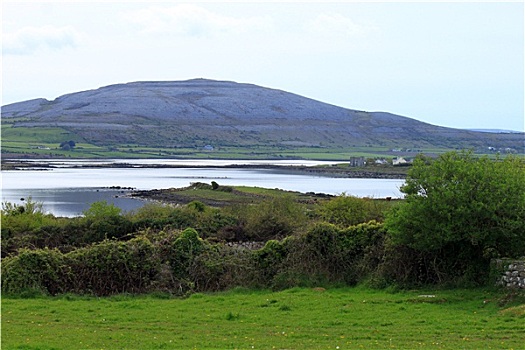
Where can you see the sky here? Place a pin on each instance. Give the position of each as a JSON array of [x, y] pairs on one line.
[[454, 64]]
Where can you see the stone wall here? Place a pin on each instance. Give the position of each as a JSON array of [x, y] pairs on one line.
[[509, 272]]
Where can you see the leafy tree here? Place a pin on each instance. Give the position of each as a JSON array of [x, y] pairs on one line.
[[102, 210], [105, 221], [24, 218], [461, 211], [67, 145]]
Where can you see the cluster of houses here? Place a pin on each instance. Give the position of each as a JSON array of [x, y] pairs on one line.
[[500, 150], [361, 161]]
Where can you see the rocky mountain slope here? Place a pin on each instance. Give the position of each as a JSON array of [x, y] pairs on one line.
[[220, 113]]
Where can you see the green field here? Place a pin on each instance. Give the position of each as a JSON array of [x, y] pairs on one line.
[[298, 318], [44, 142]]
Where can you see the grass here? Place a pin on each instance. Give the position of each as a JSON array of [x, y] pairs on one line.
[[44, 142], [266, 192], [239, 195], [211, 195], [299, 318]]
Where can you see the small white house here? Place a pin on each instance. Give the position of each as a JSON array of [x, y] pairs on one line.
[[399, 161]]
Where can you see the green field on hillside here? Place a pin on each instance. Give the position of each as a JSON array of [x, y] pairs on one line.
[[45, 142], [298, 318]]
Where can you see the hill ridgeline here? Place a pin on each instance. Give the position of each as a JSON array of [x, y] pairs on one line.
[[201, 112]]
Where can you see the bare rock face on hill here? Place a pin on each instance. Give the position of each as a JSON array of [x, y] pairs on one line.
[[199, 112]]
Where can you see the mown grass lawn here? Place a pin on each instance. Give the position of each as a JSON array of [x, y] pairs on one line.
[[299, 318]]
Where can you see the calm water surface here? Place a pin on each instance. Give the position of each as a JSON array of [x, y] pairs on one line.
[[67, 191]]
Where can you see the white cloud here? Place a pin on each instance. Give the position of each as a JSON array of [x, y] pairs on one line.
[[337, 25], [29, 39], [191, 20]]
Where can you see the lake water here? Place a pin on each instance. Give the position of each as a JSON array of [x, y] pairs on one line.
[[67, 191]]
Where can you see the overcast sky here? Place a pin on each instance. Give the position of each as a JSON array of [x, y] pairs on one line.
[[456, 64]]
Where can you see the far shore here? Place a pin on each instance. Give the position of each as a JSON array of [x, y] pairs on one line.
[[339, 170]]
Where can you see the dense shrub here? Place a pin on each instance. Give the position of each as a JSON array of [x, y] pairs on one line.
[[220, 267], [113, 267], [331, 254], [345, 211], [104, 221], [151, 215], [21, 225], [269, 260], [152, 211], [274, 218], [206, 220], [105, 268], [35, 271], [212, 222], [459, 212], [183, 251]]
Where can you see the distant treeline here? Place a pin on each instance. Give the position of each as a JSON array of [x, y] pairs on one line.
[[458, 213]]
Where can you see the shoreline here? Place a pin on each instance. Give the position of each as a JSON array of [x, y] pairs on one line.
[[372, 172]]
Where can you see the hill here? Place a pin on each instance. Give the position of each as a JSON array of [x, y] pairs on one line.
[[201, 112]]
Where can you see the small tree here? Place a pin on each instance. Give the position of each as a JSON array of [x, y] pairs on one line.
[[102, 210], [67, 145], [105, 221], [17, 219], [461, 211]]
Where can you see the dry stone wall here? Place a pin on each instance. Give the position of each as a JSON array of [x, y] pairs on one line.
[[510, 272]]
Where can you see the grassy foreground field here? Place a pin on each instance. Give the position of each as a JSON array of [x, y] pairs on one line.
[[299, 318]]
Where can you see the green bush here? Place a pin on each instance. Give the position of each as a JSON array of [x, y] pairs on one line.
[[219, 267], [183, 251], [102, 210], [113, 267], [152, 211], [20, 224], [269, 260], [206, 220], [329, 253], [35, 271], [275, 218], [104, 221], [112, 227], [460, 211], [345, 211], [197, 206], [211, 222]]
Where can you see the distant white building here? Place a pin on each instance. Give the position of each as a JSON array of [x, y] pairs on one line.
[[399, 161]]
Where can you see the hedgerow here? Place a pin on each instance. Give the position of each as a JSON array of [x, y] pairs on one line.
[[459, 213]]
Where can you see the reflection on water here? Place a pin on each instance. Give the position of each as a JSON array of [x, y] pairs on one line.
[[70, 191], [71, 201]]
